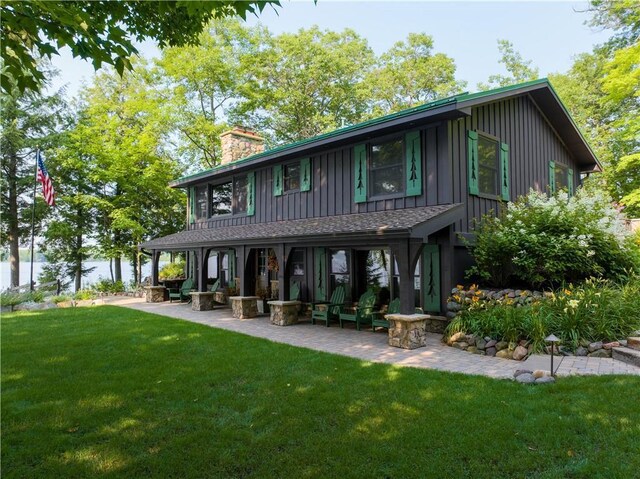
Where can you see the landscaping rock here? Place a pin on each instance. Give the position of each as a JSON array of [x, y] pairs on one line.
[[453, 306], [600, 353], [581, 351], [633, 342], [526, 378], [457, 337], [611, 345], [519, 353], [546, 380], [490, 351], [502, 345], [451, 314], [504, 354], [460, 345], [521, 371], [524, 343], [539, 373], [472, 349], [491, 343], [565, 351], [471, 339], [481, 344], [595, 346]]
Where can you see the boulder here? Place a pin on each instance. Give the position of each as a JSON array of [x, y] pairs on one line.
[[491, 343], [581, 351], [522, 371], [471, 339], [457, 337], [453, 306], [611, 345], [481, 344], [502, 345], [546, 380], [472, 349], [504, 354], [633, 342], [526, 378], [600, 353], [490, 351], [539, 373], [519, 353], [595, 346], [460, 345]]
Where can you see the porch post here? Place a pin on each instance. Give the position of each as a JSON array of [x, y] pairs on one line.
[[283, 286], [203, 273], [406, 254], [241, 262], [155, 258], [446, 241]]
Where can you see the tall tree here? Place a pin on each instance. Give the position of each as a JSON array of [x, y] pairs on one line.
[[410, 74], [29, 120], [305, 83], [101, 30], [519, 69]]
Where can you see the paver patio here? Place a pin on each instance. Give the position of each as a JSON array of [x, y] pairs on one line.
[[373, 347]]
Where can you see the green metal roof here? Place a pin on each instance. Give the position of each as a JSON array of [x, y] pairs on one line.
[[455, 99]]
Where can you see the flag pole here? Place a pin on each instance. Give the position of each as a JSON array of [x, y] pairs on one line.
[[33, 215]]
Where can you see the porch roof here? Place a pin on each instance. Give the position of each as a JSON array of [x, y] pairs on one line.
[[404, 223]]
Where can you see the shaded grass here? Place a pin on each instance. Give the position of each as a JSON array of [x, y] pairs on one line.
[[111, 392]]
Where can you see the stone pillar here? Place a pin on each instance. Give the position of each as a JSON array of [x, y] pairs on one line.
[[202, 301], [154, 294], [407, 331], [244, 307], [284, 313]]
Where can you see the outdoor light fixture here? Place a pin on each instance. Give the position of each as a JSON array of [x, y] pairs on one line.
[[553, 339]]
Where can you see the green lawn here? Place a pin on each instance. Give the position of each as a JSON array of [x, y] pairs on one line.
[[110, 392]]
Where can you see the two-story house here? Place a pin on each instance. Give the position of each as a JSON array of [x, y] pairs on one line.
[[381, 204]]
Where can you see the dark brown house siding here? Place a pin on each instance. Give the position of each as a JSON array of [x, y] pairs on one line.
[[532, 143]]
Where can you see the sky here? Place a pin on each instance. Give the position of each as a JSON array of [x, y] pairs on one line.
[[549, 33]]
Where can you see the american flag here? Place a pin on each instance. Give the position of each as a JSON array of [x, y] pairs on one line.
[[43, 177]]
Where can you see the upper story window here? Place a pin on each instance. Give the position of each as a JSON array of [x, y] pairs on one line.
[[561, 174], [221, 199], [387, 167], [291, 177], [488, 166], [240, 194], [201, 202]]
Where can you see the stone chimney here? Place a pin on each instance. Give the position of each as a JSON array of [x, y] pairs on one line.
[[239, 143]]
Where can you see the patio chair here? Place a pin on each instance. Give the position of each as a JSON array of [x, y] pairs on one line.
[[363, 312], [294, 291], [182, 292], [215, 286], [377, 318], [330, 310]]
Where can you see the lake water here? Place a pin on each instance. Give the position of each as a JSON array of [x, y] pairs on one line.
[[101, 270]]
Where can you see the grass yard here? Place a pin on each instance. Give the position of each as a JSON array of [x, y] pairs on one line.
[[111, 392]]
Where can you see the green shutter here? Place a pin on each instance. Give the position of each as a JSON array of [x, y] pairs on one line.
[[305, 174], [360, 174], [277, 180], [570, 181], [552, 176], [472, 161], [504, 170], [320, 274], [431, 277], [232, 267], [192, 204], [413, 163], [251, 194]]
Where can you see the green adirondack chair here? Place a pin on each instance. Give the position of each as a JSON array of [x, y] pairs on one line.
[[378, 317], [183, 292], [215, 286], [331, 309], [294, 291], [363, 313]]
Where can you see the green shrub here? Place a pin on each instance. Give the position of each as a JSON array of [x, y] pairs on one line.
[[11, 299], [172, 270], [104, 285], [84, 294], [596, 310], [542, 240]]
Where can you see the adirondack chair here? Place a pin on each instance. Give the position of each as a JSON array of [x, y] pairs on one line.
[[181, 293], [378, 317], [294, 291], [215, 286], [331, 309], [363, 313]]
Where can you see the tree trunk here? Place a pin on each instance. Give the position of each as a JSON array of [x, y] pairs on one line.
[[117, 261], [78, 265], [13, 233], [111, 268], [139, 275]]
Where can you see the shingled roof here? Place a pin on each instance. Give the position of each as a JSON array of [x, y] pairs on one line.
[[410, 223]]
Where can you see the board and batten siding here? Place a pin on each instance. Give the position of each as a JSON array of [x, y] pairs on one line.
[[332, 188], [532, 144]]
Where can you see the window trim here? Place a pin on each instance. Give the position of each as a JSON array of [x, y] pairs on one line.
[[371, 196]]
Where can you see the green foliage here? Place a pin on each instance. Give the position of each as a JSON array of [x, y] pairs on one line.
[[519, 70], [596, 310], [102, 31], [62, 298], [104, 285], [8, 298], [172, 270], [542, 240], [84, 294]]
